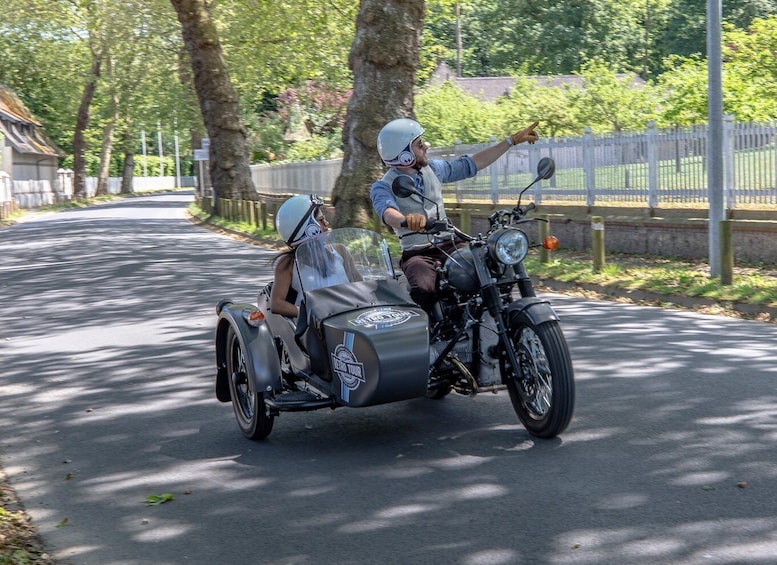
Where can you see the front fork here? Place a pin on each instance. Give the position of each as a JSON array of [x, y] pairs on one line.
[[492, 300]]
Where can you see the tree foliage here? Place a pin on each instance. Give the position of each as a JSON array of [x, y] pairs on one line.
[[450, 115], [749, 78], [288, 63], [501, 36], [685, 31]]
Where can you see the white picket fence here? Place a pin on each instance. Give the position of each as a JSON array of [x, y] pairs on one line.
[[37, 193], [6, 187], [652, 168]]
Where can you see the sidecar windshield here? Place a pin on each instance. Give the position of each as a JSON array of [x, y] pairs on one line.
[[340, 256]]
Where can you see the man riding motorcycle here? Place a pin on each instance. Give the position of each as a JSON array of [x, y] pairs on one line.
[[404, 151]]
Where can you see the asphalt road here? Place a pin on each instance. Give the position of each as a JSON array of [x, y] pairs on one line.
[[106, 398]]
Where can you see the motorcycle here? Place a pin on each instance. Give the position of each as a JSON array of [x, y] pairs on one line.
[[365, 342]]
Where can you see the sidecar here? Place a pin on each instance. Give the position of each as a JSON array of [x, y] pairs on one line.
[[359, 343]]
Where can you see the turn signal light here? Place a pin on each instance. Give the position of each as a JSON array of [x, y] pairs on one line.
[[550, 242], [254, 318]]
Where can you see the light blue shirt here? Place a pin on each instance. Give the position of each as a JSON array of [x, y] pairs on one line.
[[447, 171]]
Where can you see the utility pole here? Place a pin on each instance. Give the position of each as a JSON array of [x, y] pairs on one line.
[[159, 142], [715, 133], [458, 40]]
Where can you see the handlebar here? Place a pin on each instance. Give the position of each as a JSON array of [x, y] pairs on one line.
[[521, 211], [432, 226]]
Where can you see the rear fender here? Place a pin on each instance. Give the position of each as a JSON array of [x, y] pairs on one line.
[[536, 310], [262, 362]]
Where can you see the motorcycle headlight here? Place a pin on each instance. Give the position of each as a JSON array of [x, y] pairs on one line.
[[508, 246]]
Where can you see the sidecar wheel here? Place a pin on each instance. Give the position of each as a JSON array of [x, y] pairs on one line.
[[252, 414], [546, 405]]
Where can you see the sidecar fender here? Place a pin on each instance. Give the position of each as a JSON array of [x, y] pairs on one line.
[[537, 310], [262, 362]]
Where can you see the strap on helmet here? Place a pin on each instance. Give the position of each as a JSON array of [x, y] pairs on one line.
[[315, 203]]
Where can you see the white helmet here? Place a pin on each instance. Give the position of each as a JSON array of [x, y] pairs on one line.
[[296, 219], [395, 142]]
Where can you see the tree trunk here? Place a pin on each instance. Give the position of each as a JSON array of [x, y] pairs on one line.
[[82, 122], [128, 173], [106, 150], [128, 148], [384, 58], [229, 162]]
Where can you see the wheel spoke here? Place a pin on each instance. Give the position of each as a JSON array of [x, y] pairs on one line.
[[536, 369]]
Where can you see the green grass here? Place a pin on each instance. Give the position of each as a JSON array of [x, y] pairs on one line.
[[752, 284], [269, 234]]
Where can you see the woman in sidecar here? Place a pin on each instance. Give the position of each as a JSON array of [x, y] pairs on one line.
[[299, 219]]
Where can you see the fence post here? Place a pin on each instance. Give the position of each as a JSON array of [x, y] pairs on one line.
[[456, 144], [465, 220], [543, 229], [263, 214], [534, 159], [597, 242], [273, 208], [588, 166], [729, 164], [726, 253], [493, 177], [652, 164]]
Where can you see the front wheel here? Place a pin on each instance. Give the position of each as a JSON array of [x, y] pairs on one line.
[[253, 417], [542, 391]]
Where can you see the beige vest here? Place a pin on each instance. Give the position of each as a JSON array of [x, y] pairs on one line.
[[418, 205]]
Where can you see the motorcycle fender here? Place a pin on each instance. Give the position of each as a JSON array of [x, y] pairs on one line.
[[537, 310], [262, 361]]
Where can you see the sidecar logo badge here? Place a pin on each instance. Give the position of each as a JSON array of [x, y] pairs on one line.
[[347, 367], [380, 318]]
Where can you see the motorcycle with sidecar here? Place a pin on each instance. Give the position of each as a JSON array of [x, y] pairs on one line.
[[365, 342]]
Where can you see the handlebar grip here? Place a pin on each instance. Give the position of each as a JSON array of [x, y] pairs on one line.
[[432, 225], [530, 207]]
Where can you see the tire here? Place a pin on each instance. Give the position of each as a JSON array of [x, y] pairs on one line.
[[252, 415], [543, 356], [287, 374]]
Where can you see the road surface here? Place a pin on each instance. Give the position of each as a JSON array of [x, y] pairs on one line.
[[106, 398]]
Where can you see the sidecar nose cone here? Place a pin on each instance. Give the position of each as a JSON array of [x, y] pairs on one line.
[[223, 303]]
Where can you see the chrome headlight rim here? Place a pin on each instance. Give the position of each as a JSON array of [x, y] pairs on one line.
[[509, 246]]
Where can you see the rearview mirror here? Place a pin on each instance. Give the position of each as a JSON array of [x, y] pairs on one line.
[[545, 168], [403, 186]]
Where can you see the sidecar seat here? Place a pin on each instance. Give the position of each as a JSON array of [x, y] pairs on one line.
[[314, 348]]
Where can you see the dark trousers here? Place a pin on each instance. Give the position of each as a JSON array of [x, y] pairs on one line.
[[420, 268]]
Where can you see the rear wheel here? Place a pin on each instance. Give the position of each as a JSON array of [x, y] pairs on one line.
[[252, 414], [542, 390]]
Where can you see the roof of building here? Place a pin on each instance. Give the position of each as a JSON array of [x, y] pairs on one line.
[[491, 88], [22, 130]]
